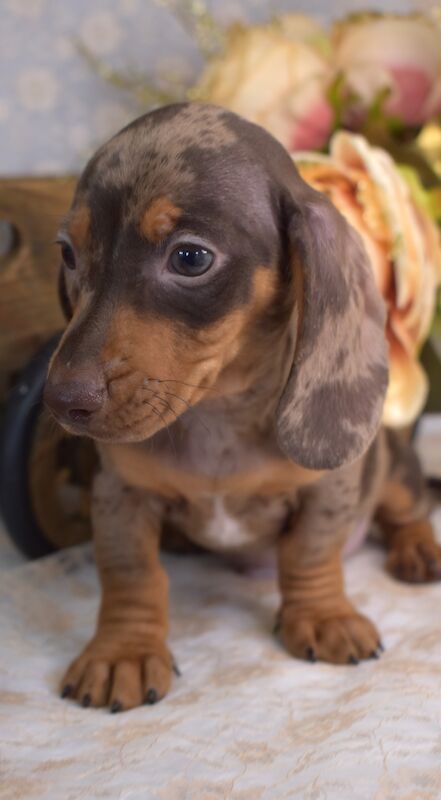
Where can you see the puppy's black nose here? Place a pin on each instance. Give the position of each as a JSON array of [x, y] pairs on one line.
[[74, 402]]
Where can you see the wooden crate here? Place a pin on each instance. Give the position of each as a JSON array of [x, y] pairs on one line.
[[29, 309]]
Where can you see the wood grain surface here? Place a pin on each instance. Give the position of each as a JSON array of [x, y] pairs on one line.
[[29, 310]]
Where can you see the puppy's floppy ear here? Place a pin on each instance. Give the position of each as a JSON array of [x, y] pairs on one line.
[[63, 296], [331, 406]]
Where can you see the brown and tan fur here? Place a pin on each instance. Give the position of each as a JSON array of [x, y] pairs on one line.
[[241, 406]]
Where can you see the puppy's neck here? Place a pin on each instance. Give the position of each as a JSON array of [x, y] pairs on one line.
[[250, 387]]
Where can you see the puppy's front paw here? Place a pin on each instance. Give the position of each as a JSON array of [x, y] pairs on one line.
[[108, 673], [342, 638]]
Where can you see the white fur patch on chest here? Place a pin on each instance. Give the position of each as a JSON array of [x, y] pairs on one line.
[[223, 531]]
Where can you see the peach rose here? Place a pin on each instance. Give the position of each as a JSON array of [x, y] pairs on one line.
[[272, 76], [404, 247], [401, 54]]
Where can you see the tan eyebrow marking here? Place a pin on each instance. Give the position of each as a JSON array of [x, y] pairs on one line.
[[79, 226], [159, 219]]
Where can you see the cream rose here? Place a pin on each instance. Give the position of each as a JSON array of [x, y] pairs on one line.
[[404, 247], [275, 79], [401, 54]]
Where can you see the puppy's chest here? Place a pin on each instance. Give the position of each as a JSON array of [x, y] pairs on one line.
[[225, 488], [239, 511], [230, 523]]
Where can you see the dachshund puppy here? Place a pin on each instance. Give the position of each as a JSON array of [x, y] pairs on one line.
[[226, 351]]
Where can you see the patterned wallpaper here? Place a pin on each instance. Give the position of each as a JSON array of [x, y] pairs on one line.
[[54, 110]]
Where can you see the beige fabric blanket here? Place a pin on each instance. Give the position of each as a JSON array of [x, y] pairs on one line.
[[244, 721]]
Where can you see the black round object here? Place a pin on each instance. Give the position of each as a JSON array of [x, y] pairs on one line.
[[16, 437]]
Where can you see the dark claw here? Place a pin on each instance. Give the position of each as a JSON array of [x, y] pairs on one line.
[[67, 690], [380, 646], [434, 568], [374, 654], [353, 660], [151, 697], [86, 701], [115, 707], [176, 669], [311, 654]]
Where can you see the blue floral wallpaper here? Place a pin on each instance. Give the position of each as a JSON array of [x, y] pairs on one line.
[[55, 110]]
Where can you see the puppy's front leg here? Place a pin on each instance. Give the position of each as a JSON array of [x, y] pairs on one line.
[[316, 618], [127, 661]]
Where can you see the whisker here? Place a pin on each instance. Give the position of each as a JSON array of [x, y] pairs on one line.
[[161, 417], [124, 403], [190, 407], [160, 395], [166, 403], [183, 400]]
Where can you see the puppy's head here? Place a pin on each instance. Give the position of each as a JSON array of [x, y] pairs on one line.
[[190, 235]]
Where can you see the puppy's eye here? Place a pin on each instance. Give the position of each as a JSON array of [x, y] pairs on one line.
[[68, 255], [191, 259]]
